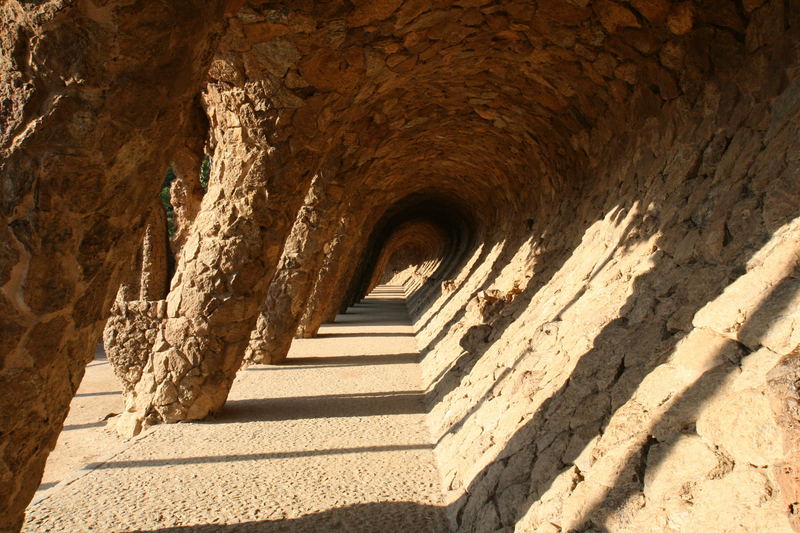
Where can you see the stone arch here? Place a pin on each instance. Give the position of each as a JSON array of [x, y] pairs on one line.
[[454, 222], [409, 256]]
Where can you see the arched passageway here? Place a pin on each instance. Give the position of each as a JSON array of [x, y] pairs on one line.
[[439, 227], [603, 195]]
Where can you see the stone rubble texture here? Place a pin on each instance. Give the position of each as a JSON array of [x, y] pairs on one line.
[[592, 204]]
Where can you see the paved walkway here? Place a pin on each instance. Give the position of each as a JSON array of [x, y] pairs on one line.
[[86, 432], [334, 441]]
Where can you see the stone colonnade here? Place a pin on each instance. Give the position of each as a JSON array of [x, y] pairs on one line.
[[303, 257], [514, 105]]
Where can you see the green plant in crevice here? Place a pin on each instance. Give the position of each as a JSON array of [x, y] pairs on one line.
[[165, 201], [205, 173], [164, 194]]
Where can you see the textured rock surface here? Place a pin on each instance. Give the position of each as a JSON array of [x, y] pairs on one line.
[[153, 278], [186, 191], [623, 387], [83, 149], [303, 256], [225, 266], [614, 185], [327, 278], [410, 256]]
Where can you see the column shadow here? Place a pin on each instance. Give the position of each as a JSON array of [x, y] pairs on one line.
[[684, 409], [268, 456], [377, 517], [311, 407], [604, 379], [479, 338], [333, 361]]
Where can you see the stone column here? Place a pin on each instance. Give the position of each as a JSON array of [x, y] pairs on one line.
[[186, 192], [302, 260], [87, 118], [355, 286], [332, 258], [153, 280], [333, 280], [225, 267], [135, 315]]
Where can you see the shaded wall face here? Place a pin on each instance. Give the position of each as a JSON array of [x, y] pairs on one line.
[[424, 242], [609, 369], [610, 366], [421, 237], [407, 265]]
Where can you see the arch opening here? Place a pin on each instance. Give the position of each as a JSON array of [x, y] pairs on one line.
[[428, 231]]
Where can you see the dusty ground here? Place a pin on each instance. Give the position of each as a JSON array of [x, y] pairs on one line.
[[334, 441], [85, 433]]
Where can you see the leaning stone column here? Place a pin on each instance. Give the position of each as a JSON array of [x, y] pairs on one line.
[[332, 252], [349, 290], [84, 142], [225, 266], [293, 283], [130, 330], [186, 192], [333, 280]]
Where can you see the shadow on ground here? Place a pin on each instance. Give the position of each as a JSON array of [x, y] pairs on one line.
[[330, 406], [379, 517], [215, 459], [341, 360], [387, 335]]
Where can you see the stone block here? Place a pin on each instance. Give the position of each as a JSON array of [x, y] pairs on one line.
[[703, 350], [673, 467], [129, 425], [742, 424], [758, 508]]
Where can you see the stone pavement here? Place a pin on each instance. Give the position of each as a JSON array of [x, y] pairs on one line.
[[335, 440], [86, 434]]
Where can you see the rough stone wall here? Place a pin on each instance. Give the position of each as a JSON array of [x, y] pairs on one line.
[[409, 270], [81, 157], [612, 375], [782, 381]]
